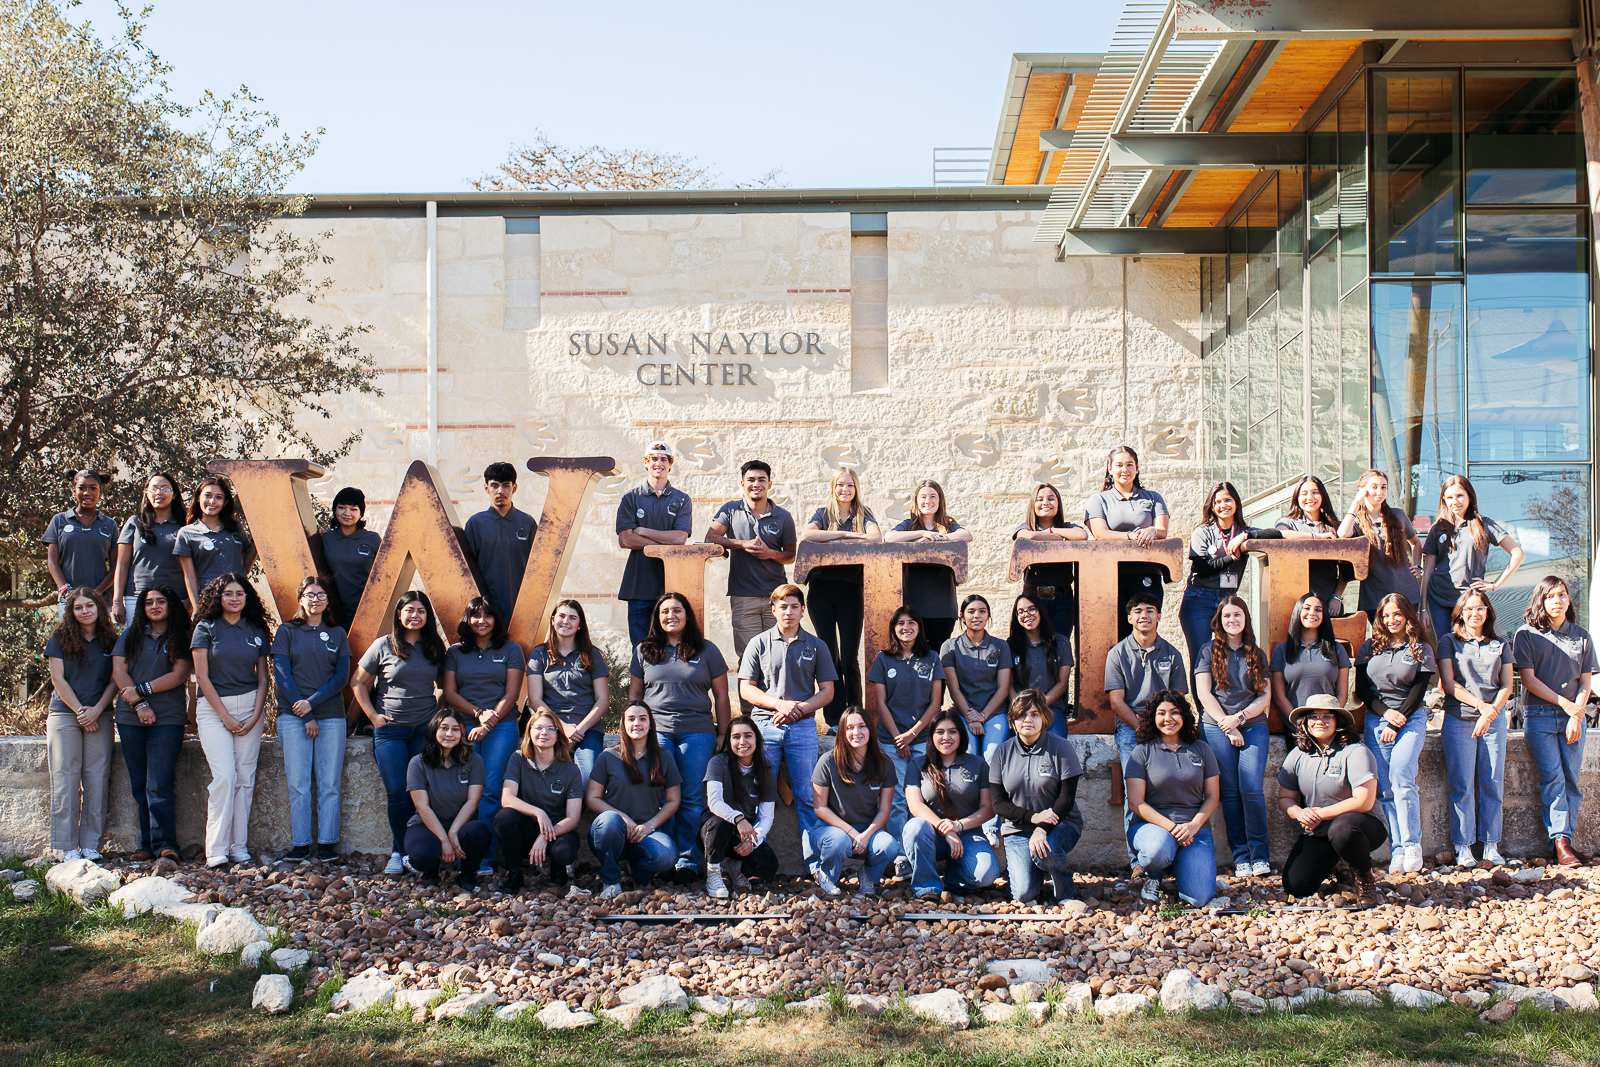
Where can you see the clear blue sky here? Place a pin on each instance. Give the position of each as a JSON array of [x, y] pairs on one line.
[[424, 97]]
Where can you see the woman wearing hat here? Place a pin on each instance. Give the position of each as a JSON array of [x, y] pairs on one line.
[[1328, 784], [349, 548]]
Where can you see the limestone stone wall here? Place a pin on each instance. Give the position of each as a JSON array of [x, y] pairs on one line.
[[1005, 366]]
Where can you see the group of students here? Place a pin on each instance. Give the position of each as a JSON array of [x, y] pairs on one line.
[[485, 751]]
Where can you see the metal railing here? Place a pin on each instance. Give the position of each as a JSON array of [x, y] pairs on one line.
[[961, 166]]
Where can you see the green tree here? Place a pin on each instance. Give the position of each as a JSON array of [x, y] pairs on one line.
[[155, 312]]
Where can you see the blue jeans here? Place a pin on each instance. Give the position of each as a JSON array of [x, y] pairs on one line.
[[392, 749], [151, 755], [1244, 805], [1544, 729], [1194, 616], [306, 760], [996, 732], [906, 777], [494, 749], [1127, 741], [1397, 776], [1026, 873], [693, 752], [1476, 771], [1440, 616], [585, 752], [1062, 613], [608, 837], [794, 748], [833, 846], [639, 612], [1194, 864], [925, 847]]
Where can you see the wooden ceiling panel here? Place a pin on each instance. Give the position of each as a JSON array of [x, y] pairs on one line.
[[1039, 105], [1296, 79], [1209, 196]]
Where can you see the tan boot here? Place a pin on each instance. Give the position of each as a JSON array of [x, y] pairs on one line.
[[1366, 891]]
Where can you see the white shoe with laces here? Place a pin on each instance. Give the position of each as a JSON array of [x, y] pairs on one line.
[[1413, 859], [90, 854], [1397, 860], [396, 865], [715, 887], [1491, 853], [610, 891], [826, 884], [1151, 893], [1261, 869], [1465, 858], [71, 854]]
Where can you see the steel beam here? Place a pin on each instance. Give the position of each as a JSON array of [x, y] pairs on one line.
[[1355, 19], [1142, 241], [1206, 151], [1055, 140]]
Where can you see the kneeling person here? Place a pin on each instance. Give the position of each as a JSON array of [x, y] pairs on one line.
[[446, 782], [1173, 788], [854, 790], [1328, 784], [949, 802], [1034, 778], [541, 799], [741, 800], [632, 803]]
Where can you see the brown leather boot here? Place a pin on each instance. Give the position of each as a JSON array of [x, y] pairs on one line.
[[1366, 891], [1566, 856]]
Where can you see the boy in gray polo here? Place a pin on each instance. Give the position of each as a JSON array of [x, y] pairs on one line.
[[760, 539], [652, 513], [1137, 667], [500, 538]]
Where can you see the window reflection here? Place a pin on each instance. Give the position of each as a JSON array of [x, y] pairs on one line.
[[1416, 171], [1547, 511], [1418, 353], [1523, 140]]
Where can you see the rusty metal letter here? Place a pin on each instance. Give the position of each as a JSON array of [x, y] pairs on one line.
[[1098, 610], [572, 483], [685, 567], [276, 503], [883, 571]]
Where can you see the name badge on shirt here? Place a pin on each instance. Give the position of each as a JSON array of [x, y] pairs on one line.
[[1229, 580], [891, 672], [207, 544]]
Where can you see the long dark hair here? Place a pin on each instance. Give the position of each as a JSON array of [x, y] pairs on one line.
[[430, 641], [322, 583], [1255, 663], [1325, 639], [1459, 628], [920, 646], [580, 639], [760, 771], [691, 642], [1110, 481], [69, 637], [1342, 735], [1535, 615], [433, 754], [147, 515], [1018, 637], [1325, 516], [1394, 538], [1060, 520], [228, 516], [933, 767], [1381, 641], [480, 605], [255, 612], [178, 626], [652, 750], [1208, 510], [1471, 520], [1147, 732], [874, 767]]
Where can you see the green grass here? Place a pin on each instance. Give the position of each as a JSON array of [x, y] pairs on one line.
[[138, 993]]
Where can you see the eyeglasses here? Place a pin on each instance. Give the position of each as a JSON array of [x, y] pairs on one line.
[[314, 598]]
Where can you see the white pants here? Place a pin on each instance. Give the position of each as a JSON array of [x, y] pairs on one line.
[[233, 774]]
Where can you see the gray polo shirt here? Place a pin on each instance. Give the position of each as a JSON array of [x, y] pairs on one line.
[[313, 653], [481, 672], [908, 685], [748, 576], [1210, 565], [1032, 671], [549, 789], [568, 688], [404, 687], [500, 545], [1174, 781], [678, 691], [1557, 657], [1233, 692], [977, 668], [1477, 666], [855, 802], [170, 706], [1125, 514], [965, 781], [1032, 776], [1326, 778], [87, 676], [153, 562], [214, 554], [852, 574], [640, 800], [1461, 563], [1393, 671], [1310, 673], [929, 587], [1383, 577], [232, 650], [349, 562], [83, 549], [644, 578], [1142, 672], [446, 786], [786, 668]]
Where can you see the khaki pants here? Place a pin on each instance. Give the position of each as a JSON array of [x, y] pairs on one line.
[[232, 758], [80, 770], [751, 615]]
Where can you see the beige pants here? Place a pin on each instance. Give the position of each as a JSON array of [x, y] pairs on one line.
[[751, 615], [233, 774], [80, 769]]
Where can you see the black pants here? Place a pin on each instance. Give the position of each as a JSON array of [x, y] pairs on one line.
[[836, 615], [717, 838], [1351, 837], [424, 850], [1133, 578], [516, 833]]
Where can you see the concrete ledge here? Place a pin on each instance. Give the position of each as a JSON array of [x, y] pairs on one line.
[[25, 803]]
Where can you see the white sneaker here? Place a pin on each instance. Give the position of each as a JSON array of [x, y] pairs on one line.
[[826, 884], [902, 867], [1397, 859], [1244, 870], [610, 891], [715, 887], [1413, 859], [71, 854], [396, 865], [405, 864], [90, 854], [1262, 869], [1151, 893], [1465, 858], [1491, 853], [241, 855], [869, 888]]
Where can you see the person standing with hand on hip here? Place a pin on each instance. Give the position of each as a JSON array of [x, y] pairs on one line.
[[760, 539], [653, 513]]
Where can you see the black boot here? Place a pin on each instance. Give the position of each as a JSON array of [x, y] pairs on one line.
[[512, 882]]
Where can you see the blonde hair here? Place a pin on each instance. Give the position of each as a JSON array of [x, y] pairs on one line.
[[859, 515]]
